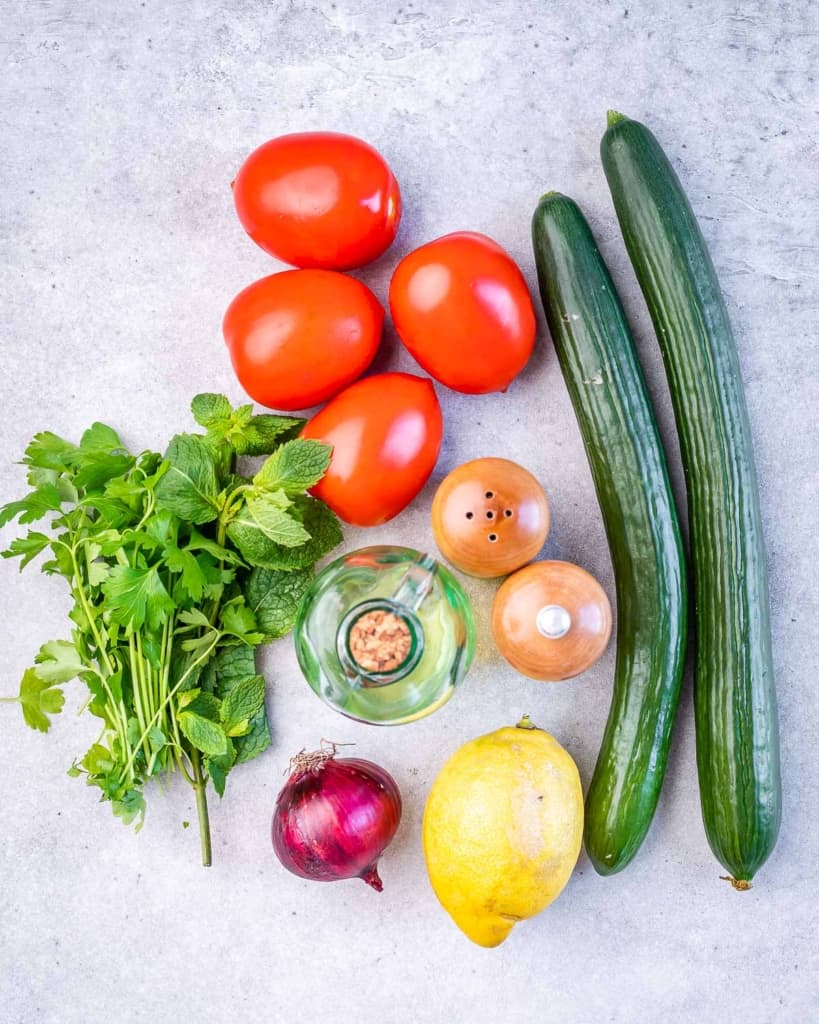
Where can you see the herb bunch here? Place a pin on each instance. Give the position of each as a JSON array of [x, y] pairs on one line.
[[179, 568]]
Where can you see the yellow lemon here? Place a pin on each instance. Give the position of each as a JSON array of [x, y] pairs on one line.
[[502, 830]]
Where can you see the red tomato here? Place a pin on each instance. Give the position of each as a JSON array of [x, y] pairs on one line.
[[386, 433], [299, 337], [462, 308], [318, 199]]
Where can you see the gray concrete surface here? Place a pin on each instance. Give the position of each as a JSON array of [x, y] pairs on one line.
[[122, 126]]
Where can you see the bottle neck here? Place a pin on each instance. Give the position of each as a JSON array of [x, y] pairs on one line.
[[380, 642]]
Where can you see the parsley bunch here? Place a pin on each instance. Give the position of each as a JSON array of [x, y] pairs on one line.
[[179, 568]]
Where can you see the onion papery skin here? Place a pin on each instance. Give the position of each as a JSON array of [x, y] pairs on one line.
[[335, 818]]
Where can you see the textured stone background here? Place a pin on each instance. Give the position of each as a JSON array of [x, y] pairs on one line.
[[122, 126]]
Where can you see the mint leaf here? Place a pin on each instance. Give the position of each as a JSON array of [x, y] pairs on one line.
[[205, 705], [238, 429], [211, 410], [296, 466], [274, 596], [221, 675], [274, 521], [227, 668], [218, 767], [319, 521], [254, 742], [256, 547], [190, 487], [253, 545], [202, 733], [276, 498], [241, 704], [27, 547], [39, 699], [261, 435], [58, 662], [136, 596]]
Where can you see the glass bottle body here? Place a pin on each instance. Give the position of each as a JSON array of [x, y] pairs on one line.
[[385, 634]]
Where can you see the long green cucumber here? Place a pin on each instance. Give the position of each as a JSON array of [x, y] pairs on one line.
[[605, 382], [734, 698]]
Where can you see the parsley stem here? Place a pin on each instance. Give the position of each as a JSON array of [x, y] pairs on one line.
[[138, 686], [167, 655], [154, 718], [79, 593], [149, 511], [119, 718], [201, 808]]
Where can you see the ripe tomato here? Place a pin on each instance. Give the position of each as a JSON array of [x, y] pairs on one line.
[[299, 337], [318, 199], [462, 308], [386, 433]]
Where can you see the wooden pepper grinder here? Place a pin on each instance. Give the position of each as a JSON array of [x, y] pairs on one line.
[[551, 620]]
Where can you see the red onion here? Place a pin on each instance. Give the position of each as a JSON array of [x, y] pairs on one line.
[[335, 817]]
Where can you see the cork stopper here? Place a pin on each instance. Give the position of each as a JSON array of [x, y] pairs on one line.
[[380, 641]]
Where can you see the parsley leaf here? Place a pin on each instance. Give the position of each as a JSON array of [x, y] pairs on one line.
[[34, 506], [136, 596], [100, 438], [237, 620], [39, 698], [58, 662], [192, 580], [98, 467], [48, 451], [27, 547]]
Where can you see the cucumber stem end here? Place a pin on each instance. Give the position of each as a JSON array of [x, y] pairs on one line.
[[740, 884]]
